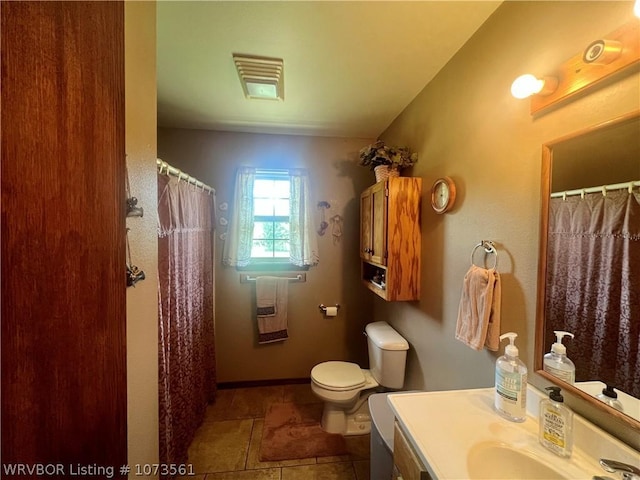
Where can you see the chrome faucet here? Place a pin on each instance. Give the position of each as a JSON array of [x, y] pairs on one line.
[[628, 472]]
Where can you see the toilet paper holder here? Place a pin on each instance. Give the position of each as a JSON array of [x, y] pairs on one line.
[[323, 307]]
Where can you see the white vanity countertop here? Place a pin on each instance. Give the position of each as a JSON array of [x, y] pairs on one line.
[[443, 428]]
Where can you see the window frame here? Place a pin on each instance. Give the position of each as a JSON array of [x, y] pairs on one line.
[[271, 263]]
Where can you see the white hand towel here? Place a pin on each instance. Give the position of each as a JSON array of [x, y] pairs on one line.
[[273, 328], [478, 322], [266, 296]]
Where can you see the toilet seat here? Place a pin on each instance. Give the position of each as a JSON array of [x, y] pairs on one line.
[[338, 376]]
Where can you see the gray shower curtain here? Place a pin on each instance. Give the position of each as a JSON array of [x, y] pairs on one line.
[[187, 372], [593, 285]]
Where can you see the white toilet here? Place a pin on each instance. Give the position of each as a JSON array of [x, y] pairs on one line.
[[341, 385]]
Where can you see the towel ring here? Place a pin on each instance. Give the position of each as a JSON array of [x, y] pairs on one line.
[[489, 247]]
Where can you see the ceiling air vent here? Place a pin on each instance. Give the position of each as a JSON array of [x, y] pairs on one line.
[[261, 77]]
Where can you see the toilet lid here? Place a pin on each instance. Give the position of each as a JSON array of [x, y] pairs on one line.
[[338, 375]]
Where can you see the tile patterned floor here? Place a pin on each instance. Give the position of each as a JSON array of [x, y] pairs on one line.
[[227, 444]]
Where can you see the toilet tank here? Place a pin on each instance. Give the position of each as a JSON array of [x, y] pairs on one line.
[[387, 354]]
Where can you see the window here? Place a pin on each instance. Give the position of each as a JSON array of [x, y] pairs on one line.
[[272, 220], [271, 210]]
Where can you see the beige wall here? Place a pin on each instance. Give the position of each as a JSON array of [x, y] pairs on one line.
[[213, 157], [142, 300], [465, 124]]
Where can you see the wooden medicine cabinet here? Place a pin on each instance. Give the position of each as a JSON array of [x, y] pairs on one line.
[[390, 238]]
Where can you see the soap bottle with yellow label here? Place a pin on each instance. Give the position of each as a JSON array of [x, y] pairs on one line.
[[556, 424]]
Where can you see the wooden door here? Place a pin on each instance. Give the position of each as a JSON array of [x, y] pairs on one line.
[[366, 227], [379, 223], [63, 237]]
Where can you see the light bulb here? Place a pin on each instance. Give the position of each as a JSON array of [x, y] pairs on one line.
[[526, 85], [636, 8]]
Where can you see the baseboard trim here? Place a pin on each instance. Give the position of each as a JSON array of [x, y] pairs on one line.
[[263, 383]]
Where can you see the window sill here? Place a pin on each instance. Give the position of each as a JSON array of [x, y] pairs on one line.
[[271, 266]]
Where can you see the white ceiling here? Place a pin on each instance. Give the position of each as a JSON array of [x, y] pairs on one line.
[[349, 67]]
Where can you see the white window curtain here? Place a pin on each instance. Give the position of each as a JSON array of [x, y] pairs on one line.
[[303, 244], [236, 251], [304, 247]]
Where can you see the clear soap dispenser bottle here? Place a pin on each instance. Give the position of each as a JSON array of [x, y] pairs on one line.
[[556, 424], [610, 397], [556, 361], [511, 383]]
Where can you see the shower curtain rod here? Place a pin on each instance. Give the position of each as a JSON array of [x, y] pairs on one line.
[[164, 167], [603, 189]]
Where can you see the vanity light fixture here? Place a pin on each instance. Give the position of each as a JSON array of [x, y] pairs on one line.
[[526, 85], [604, 59], [602, 52], [261, 77]]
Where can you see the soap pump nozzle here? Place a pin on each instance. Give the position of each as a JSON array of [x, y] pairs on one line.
[[609, 392], [510, 350], [558, 347], [554, 394]]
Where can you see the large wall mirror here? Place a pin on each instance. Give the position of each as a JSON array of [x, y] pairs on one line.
[[589, 271]]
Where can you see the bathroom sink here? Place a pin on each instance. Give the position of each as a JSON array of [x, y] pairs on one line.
[[498, 461], [457, 434]]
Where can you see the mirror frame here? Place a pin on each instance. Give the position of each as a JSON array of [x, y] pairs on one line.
[[545, 192]]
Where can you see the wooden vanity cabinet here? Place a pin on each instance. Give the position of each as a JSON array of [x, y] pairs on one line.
[[390, 238], [406, 464]]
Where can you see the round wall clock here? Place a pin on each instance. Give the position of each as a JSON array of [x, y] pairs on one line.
[[443, 194]]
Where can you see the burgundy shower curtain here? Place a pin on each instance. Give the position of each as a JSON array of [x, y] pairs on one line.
[[186, 354], [593, 285]]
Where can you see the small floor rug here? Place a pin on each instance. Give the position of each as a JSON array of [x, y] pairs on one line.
[[293, 431]]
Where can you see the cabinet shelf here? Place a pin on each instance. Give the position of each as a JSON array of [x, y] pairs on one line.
[[390, 238]]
